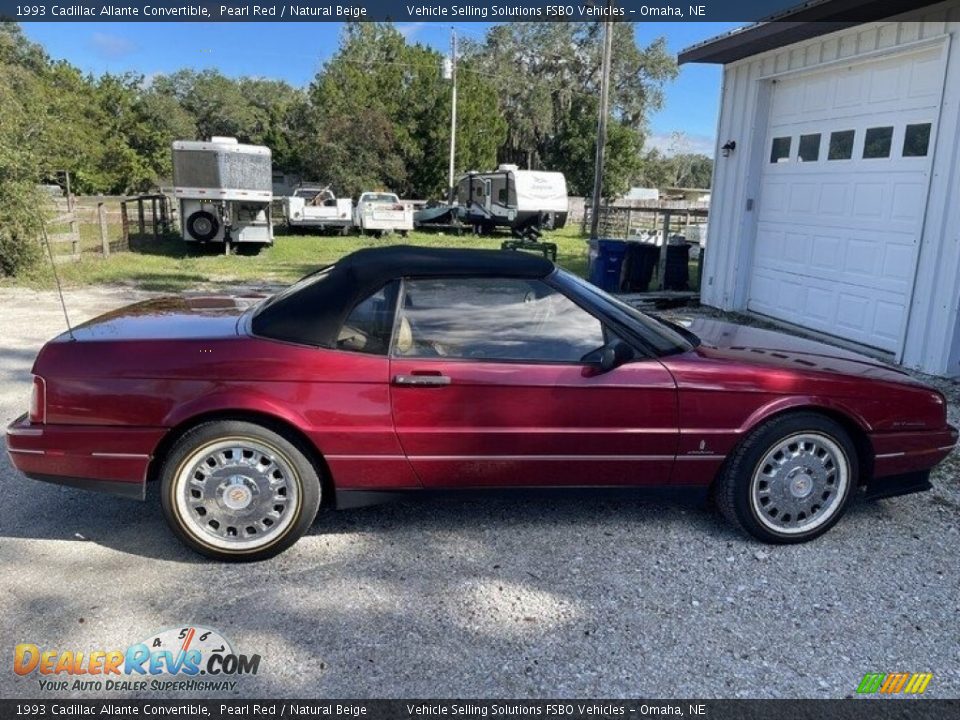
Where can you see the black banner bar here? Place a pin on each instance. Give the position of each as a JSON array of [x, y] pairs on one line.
[[447, 11], [853, 709]]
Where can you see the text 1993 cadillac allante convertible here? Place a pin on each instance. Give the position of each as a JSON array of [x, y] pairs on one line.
[[404, 369]]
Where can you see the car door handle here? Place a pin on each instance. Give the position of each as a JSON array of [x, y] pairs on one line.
[[421, 380]]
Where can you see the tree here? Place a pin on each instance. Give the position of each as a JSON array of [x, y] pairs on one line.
[[546, 72], [684, 170], [379, 116], [571, 150], [23, 208]]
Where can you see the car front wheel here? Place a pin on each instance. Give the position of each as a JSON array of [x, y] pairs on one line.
[[790, 480], [238, 491]]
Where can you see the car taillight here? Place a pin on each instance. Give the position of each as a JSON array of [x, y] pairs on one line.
[[38, 401]]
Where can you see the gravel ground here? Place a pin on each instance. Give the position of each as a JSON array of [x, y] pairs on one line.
[[486, 597]]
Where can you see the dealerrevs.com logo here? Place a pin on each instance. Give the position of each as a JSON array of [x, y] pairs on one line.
[[187, 659]]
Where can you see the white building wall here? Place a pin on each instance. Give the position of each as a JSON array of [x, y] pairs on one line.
[[932, 341]]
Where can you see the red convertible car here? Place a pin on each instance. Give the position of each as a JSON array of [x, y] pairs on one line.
[[407, 369]]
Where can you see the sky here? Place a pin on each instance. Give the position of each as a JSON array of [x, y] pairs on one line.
[[295, 51]]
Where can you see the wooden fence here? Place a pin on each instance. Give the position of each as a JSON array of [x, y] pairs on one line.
[[99, 225], [632, 221]]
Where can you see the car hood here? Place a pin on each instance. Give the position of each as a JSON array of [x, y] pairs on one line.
[[770, 348], [167, 318]]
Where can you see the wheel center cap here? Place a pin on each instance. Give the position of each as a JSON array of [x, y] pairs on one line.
[[237, 495], [801, 483]]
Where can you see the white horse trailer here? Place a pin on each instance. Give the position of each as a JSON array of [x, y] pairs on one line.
[[224, 190]]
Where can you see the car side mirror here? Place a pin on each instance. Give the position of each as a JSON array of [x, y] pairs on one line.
[[614, 354]]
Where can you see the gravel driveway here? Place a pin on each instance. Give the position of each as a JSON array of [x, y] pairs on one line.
[[486, 597]]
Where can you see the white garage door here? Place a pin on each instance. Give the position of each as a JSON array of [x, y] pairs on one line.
[[843, 195]]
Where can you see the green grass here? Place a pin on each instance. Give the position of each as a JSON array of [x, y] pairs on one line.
[[171, 265]]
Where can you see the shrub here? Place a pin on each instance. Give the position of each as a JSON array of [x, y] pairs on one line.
[[23, 208]]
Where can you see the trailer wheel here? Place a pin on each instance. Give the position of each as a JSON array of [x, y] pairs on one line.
[[203, 226]]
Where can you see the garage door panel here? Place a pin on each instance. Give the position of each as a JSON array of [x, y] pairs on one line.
[[838, 232], [884, 84], [796, 249], [852, 312], [803, 198], [819, 307], [860, 258], [907, 203], [868, 200], [926, 80], [898, 265], [833, 199], [866, 315], [884, 261], [827, 251]]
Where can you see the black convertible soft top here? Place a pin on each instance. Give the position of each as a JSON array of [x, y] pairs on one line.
[[312, 311]]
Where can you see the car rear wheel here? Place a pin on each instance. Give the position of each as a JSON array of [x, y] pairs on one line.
[[238, 491], [790, 480]]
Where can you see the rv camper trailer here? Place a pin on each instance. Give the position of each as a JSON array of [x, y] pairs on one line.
[[224, 190], [525, 201]]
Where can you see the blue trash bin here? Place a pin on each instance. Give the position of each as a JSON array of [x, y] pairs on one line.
[[606, 263]]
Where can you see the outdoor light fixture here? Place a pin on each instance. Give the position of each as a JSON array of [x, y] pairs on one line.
[[729, 147]]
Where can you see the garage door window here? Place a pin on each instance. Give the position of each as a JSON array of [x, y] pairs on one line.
[[916, 140], [877, 143], [841, 145], [809, 148], [781, 150]]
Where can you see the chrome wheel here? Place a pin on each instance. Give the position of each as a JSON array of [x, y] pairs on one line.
[[237, 494], [800, 483]]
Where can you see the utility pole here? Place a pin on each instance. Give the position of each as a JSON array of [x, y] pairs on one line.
[[601, 126], [453, 103]]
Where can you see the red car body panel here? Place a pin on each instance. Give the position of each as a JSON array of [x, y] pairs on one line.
[[537, 424], [128, 379]]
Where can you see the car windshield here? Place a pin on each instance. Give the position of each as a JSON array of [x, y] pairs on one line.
[[666, 337]]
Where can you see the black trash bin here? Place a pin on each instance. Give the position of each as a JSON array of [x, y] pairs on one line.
[[641, 260], [676, 274]]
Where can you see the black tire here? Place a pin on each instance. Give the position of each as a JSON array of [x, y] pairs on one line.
[[744, 485], [301, 487], [203, 226]]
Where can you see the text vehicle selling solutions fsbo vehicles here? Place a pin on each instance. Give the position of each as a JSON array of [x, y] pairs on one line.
[[401, 369]]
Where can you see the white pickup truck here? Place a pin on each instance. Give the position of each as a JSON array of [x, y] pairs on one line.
[[380, 212], [317, 208]]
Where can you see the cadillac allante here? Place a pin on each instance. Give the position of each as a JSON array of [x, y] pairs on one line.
[[403, 370]]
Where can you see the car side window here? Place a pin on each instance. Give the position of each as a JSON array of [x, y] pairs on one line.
[[368, 327], [505, 319]]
